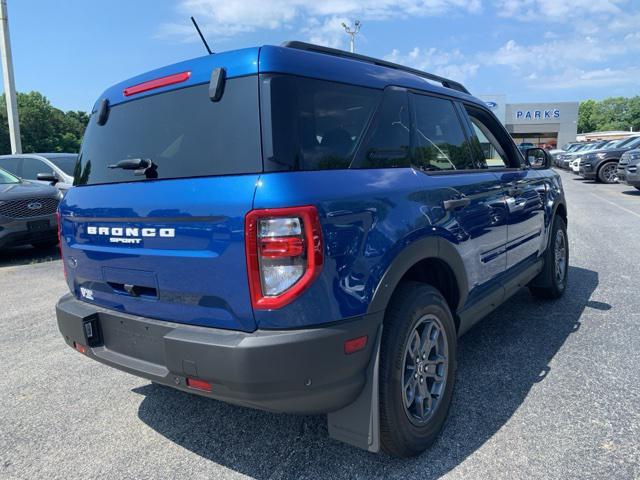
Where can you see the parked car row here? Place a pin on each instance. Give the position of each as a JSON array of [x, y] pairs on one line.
[[603, 161]]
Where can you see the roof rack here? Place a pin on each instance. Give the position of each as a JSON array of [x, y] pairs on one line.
[[383, 63]]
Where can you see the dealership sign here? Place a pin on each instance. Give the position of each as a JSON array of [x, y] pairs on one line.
[[537, 114]]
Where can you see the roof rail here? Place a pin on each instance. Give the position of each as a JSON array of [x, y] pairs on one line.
[[383, 63]]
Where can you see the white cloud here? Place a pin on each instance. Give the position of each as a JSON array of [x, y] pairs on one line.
[[556, 10], [451, 64], [579, 78], [223, 18]]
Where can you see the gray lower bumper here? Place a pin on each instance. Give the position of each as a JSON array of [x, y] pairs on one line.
[[296, 371]]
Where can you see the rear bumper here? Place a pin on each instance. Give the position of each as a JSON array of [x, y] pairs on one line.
[[14, 232], [295, 371]]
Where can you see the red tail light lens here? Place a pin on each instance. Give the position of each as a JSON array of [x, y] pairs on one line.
[[196, 384], [284, 254], [355, 345], [157, 83]]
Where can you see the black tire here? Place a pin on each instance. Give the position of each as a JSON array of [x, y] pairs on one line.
[[401, 433], [552, 281], [45, 244], [604, 175]]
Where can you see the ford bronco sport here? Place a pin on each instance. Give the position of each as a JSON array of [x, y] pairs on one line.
[[299, 229]]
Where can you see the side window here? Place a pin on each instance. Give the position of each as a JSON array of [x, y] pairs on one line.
[[32, 167], [387, 145], [489, 151], [313, 124], [10, 165], [440, 140]]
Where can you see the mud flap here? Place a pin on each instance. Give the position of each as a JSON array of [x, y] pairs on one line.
[[358, 423]]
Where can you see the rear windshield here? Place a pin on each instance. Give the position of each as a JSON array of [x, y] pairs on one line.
[[182, 132]]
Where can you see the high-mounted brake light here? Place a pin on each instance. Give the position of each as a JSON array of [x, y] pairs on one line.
[[284, 254], [157, 83]]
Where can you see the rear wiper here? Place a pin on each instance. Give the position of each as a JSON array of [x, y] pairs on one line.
[[141, 166]]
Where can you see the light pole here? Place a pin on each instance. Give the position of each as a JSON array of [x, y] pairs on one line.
[[9, 82], [352, 33]]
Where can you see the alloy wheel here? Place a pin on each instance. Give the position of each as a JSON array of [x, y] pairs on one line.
[[425, 369], [609, 172], [560, 255]]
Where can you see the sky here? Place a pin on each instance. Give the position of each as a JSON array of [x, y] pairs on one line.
[[530, 50]]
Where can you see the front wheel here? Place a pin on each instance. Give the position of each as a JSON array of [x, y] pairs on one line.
[[608, 173], [552, 281], [417, 369]]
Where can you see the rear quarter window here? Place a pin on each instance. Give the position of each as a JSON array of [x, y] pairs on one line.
[[311, 124]]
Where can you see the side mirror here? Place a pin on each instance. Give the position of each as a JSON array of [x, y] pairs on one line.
[[48, 177], [538, 158]]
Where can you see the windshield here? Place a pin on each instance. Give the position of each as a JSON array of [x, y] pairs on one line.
[[6, 177], [66, 163], [182, 132]]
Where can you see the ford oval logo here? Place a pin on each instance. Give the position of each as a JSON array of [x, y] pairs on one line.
[[34, 206], [492, 104]]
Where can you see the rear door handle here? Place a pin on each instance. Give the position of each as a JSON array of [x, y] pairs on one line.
[[456, 203]]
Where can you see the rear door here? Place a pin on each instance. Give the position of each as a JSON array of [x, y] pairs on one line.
[[167, 241], [523, 188], [462, 201]]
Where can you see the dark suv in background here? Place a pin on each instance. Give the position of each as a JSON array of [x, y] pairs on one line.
[[602, 164], [628, 168], [27, 213]]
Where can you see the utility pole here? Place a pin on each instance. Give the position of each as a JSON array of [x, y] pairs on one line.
[[9, 82], [352, 33]]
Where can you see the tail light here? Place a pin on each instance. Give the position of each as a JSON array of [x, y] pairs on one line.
[[284, 254]]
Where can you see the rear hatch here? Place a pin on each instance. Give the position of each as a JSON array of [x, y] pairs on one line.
[[166, 240]]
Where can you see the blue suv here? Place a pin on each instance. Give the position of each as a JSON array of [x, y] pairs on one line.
[[299, 229]]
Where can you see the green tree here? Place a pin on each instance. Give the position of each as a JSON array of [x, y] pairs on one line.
[[585, 116], [43, 128], [613, 113]]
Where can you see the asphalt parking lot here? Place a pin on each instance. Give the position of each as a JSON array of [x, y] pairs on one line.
[[544, 390]]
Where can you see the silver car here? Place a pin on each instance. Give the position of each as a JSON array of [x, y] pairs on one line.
[[47, 168], [27, 212]]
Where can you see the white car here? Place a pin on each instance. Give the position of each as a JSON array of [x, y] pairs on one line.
[[47, 168]]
